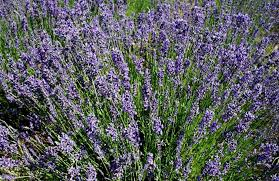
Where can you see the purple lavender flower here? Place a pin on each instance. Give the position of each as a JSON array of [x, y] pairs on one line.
[[267, 151], [226, 168], [208, 116], [274, 177], [212, 167], [160, 76], [232, 145], [245, 122], [118, 60], [91, 174], [178, 163], [165, 47], [4, 142], [171, 67], [242, 127], [126, 82], [98, 149], [113, 79], [179, 65], [120, 164], [187, 169], [150, 164], [113, 111], [112, 132], [127, 104], [147, 90], [102, 86], [157, 126], [66, 145], [138, 64], [214, 126], [8, 163], [132, 134], [7, 177], [74, 172]]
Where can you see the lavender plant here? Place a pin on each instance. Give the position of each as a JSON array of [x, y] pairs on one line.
[[183, 91]]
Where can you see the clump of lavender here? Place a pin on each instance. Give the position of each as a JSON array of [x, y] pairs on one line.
[[179, 92]]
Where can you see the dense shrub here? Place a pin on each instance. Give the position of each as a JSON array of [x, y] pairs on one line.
[[179, 92]]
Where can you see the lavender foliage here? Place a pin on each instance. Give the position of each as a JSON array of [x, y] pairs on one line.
[[181, 91]]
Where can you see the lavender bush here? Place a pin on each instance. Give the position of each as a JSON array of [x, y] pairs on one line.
[[104, 91]]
